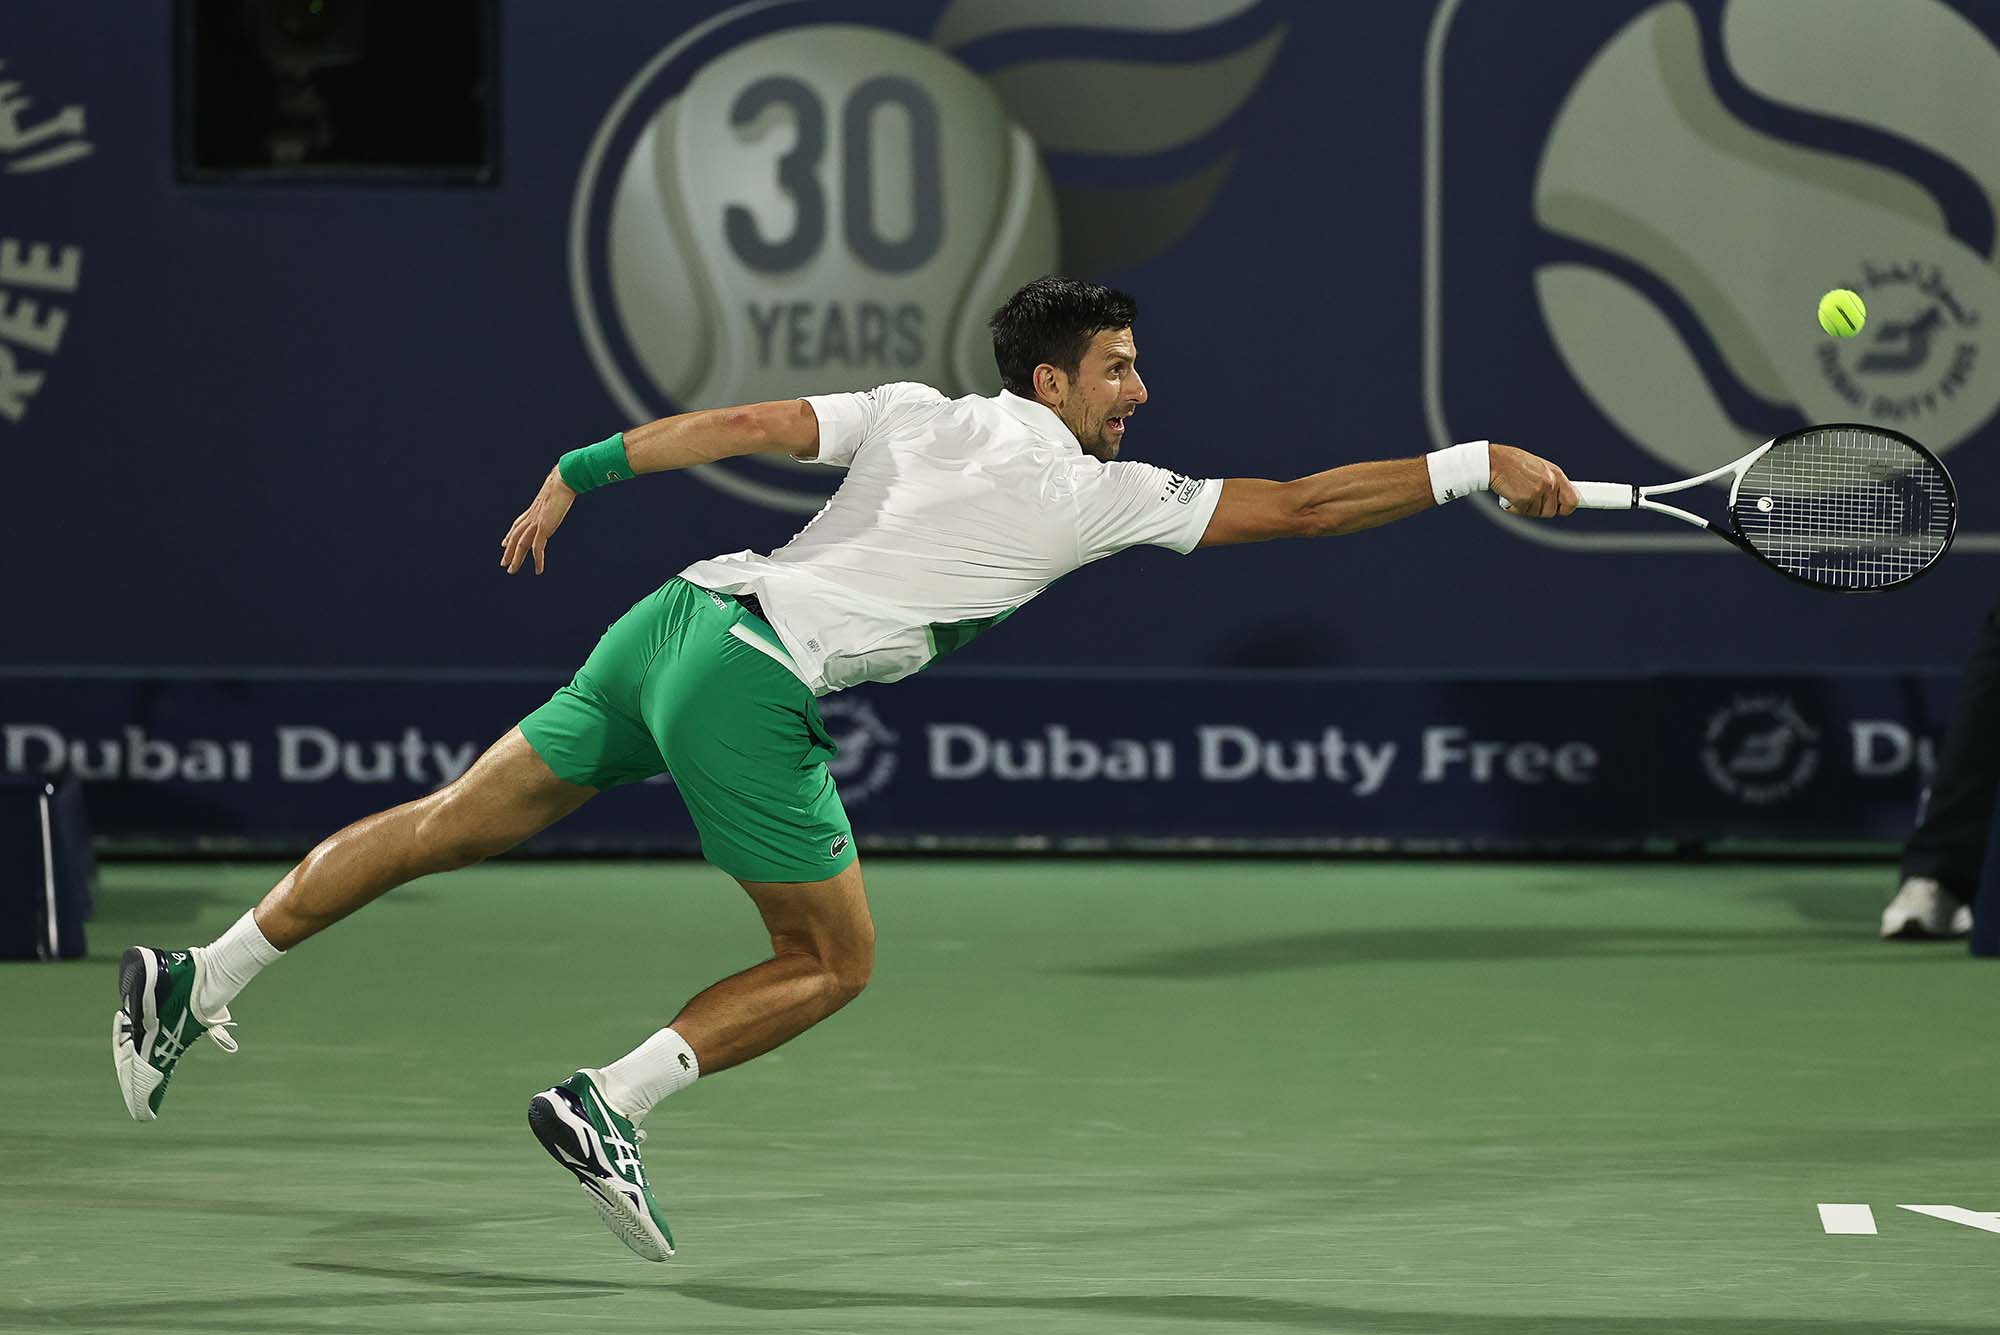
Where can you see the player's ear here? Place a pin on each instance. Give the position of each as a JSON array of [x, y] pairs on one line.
[[1051, 385]]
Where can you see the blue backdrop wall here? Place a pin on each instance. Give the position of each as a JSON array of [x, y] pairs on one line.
[[284, 426]]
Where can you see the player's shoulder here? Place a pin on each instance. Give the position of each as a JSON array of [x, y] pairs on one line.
[[907, 393], [1130, 481], [1117, 470]]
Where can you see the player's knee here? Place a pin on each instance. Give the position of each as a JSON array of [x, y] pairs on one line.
[[845, 960], [851, 966]]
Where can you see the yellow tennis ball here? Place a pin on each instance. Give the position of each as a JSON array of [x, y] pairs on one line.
[[1842, 313]]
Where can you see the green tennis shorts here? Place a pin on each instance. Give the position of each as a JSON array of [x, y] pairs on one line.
[[673, 688]]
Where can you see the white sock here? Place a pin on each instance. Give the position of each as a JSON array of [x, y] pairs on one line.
[[229, 963], [648, 1073]]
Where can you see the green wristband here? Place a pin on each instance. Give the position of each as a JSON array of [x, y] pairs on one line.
[[593, 466]]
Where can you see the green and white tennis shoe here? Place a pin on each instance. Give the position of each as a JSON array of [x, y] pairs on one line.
[[581, 1132], [155, 1024]]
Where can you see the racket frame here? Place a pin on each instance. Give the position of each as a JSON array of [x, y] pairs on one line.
[[1601, 496]]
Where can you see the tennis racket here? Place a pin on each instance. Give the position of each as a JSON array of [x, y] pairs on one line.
[[1845, 507]]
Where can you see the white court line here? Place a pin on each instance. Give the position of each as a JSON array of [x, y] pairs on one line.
[[1986, 1221], [1847, 1218]]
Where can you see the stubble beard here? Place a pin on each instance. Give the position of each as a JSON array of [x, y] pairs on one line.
[[1098, 444]]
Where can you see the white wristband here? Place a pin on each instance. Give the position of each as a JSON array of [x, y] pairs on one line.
[[1459, 471]]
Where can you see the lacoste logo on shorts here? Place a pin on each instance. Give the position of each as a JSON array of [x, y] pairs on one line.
[[839, 846]]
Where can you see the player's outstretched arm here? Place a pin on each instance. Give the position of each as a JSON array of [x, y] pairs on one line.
[[786, 426], [1362, 496]]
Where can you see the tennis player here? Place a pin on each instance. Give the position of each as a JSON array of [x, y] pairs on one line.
[[954, 514]]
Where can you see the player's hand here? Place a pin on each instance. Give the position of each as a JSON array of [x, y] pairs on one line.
[[531, 531], [1530, 486]]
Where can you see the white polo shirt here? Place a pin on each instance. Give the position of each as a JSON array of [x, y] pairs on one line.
[[954, 513]]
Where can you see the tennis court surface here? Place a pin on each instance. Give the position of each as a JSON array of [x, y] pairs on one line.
[[1407, 1099]]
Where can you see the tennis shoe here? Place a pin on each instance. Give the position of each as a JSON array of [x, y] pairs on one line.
[[1922, 911], [581, 1132], [155, 1024]]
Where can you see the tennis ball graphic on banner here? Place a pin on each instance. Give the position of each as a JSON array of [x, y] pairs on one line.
[[768, 210], [823, 208], [1673, 188]]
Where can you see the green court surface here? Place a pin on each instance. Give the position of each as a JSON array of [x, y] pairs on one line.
[[1396, 1098]]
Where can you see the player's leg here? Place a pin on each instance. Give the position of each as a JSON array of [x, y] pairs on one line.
[[822, 952], [587, 737], [822, 949], [508, 795], [748, 752], [168, 999], [746, 745], [1942, 861]]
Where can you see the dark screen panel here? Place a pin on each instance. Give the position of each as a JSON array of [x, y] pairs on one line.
[[330, 89]]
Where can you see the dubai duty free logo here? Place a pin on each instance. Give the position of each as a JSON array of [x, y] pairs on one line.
[[867, 748], [1664, 212], [38, 277], [782, 203], [1759, 749]]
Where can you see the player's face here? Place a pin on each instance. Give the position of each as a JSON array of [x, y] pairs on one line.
[[1098, 401]]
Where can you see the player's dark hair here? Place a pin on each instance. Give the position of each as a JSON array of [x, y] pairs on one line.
[[1053, 320]]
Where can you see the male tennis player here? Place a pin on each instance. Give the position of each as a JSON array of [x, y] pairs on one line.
[[953, 514]]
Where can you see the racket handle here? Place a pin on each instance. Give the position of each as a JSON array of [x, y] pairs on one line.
[[1606, 495], [1599, 496]]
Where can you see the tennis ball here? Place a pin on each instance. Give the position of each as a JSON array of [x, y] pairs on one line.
[[1842, 313]]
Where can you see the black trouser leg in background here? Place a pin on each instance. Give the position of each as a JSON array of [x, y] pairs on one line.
[[1950, 842]]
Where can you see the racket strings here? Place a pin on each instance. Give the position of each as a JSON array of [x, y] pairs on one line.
[[1847, 508]]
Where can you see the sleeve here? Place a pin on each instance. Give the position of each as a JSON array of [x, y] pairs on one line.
[[1135, 504], [847, 421]]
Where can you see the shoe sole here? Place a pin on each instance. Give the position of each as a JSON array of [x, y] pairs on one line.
[[568, 1143], [138, 980], [1914, 929]]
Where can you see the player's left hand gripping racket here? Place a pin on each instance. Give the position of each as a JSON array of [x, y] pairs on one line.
[[1845, 507]]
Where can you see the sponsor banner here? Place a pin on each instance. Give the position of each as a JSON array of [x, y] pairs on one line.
[[42, 134], [1124, 761]]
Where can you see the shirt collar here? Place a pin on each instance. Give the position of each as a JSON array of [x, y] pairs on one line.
[[1037, 417]]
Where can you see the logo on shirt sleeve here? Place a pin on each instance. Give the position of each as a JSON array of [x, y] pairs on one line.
[[1181, 488]]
